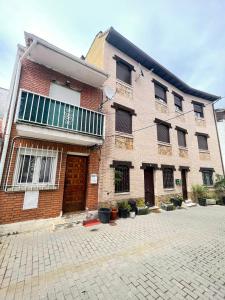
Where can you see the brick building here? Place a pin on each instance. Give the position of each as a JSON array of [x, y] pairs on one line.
[[161, 135], [54, 132]]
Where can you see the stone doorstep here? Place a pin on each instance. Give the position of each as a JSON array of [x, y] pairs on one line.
[[67, 220]]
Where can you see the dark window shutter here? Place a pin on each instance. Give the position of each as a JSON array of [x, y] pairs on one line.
[[122, 179], [123, 72], [181, 138], [168, 178], [123, 121], [160, 92], [178, 102], [202, 142], [163, 133], [198, 109]]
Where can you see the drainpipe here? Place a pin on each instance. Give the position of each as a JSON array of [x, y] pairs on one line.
[[218, 140], [12, 97]]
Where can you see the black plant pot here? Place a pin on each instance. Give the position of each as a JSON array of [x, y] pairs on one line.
[[133, 205], [202, 201], [223, 200], [176, 202], [123, 213], [104, 215]]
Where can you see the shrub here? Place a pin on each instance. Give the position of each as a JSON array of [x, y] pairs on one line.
[[124, 205], [199, 191], [140, 202]]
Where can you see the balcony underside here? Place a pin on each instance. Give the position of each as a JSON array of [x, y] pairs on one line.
[[56, 135]]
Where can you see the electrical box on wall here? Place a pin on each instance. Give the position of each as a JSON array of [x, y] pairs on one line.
[[94, 179], [178, 181]]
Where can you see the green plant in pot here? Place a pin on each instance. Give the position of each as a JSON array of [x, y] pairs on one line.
[[177, 200], [124, 209], [142, 209], [104, 212], [200, 194]]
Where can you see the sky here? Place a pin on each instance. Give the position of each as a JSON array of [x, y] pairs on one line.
[[187, 37]]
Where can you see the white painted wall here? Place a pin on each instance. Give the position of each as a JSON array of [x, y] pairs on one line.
[[64, 94]]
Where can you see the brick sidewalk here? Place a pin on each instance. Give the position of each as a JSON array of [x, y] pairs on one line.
[[172, 255]]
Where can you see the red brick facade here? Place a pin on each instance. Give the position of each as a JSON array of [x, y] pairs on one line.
[[37, 78]]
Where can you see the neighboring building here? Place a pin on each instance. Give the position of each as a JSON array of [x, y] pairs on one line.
[[3, 102], [50, 158], [3, 113], [220, 118], [152, 148]]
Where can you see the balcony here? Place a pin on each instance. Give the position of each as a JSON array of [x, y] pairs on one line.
[[79, 125]]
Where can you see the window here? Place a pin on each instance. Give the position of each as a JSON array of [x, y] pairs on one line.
[[181, 136], [123, 121], [163, 134], [202, 141], [35, 167], [178, 102], [65, 94], [207, 177], [160, 93], [168, 178], [198, 109], [123, 72], [122, 179]]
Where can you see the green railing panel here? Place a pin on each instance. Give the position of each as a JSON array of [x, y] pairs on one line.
[[49, 112]]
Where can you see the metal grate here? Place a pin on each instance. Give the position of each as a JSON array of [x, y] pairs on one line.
[[33, 168]]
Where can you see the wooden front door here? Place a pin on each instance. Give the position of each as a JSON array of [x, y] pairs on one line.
[[75, 183], [184, 184], [149, 186]]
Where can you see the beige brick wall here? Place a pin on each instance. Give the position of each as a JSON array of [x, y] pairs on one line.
[[145, 148]]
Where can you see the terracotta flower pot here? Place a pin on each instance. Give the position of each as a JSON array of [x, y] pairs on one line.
[[114, 214]]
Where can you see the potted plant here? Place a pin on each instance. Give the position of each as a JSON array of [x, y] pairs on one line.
[[104, 212], [124, 209], [177, 200], [133, 205], [167, 205], [114, 211], [142, 209], [200, 193]]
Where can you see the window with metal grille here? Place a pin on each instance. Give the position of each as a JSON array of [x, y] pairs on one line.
[[181, 136], [202, 142], [123, 121], [178, 103], [207, 177], [122, 179], [123, 72], [35, 167], [198, 110], [160, 92], [163, 133], [168, 178]]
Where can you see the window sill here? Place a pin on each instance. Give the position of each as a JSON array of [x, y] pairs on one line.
[[121, 194], [124, 83], [199, 119], [179, 112], [183, 148], [169, 190], [30, 188], [124, 134], [204, 151], [164, 144], [161, 102]]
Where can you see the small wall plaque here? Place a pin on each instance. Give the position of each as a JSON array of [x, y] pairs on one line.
[[30, 199], [178, 181], [94, 178]]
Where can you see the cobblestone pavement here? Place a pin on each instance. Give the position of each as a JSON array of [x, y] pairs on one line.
[[172, 255]]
